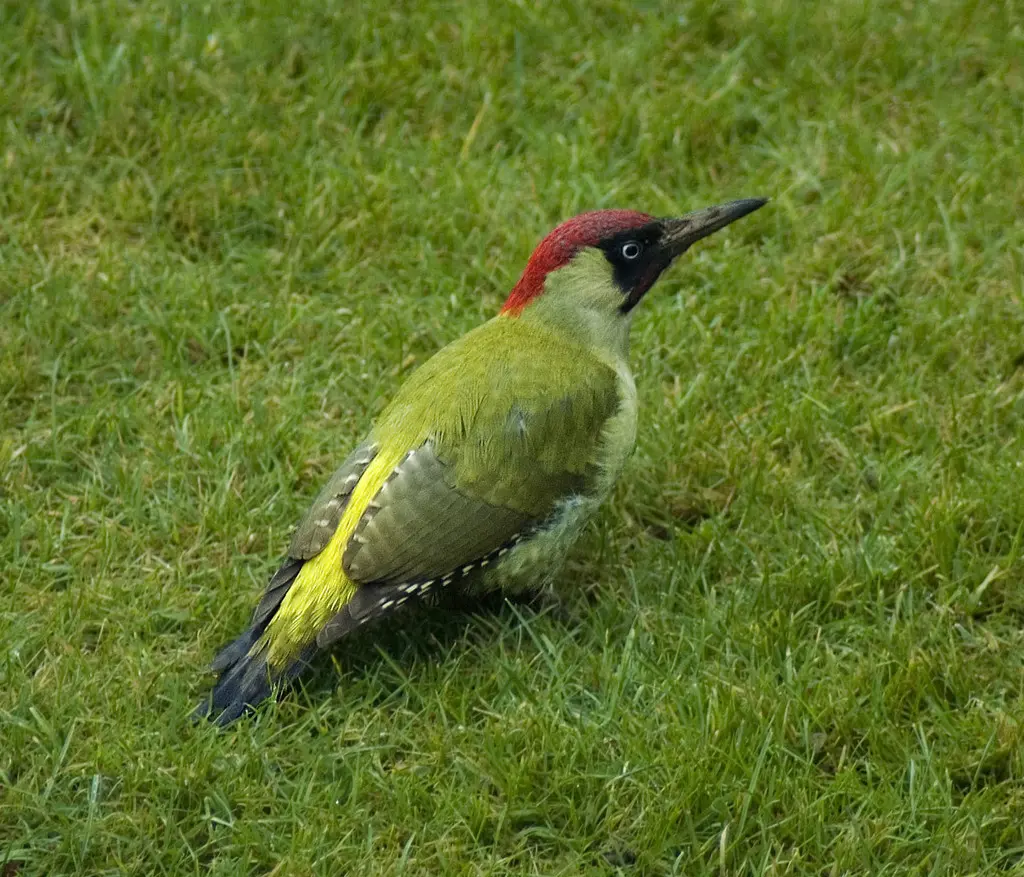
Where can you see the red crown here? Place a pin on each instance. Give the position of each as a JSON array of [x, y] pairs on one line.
[[564, 242]]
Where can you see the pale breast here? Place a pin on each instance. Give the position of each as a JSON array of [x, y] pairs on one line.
[[537, 560]]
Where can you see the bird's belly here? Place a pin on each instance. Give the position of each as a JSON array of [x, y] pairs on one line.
[[536, 560]]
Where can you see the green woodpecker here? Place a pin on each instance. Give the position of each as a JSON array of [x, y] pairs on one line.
[[484, 468]]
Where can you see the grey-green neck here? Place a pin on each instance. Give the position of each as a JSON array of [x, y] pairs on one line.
[[582, 302]]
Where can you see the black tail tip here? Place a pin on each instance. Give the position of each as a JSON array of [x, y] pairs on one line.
[[232, 697], [222, 713], [245, 681]]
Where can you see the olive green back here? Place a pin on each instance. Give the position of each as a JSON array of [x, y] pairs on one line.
[[514, 411]]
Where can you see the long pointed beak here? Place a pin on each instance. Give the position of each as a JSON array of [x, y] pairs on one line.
[[680, 234]]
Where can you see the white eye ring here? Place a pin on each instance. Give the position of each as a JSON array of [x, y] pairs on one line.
[[631, 250]]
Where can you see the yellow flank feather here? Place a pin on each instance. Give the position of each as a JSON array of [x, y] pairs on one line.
[[321, 588]]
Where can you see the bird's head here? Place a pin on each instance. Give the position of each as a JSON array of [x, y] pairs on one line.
[[610, 258]]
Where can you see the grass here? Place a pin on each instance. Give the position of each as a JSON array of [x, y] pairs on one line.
[[228, 230]]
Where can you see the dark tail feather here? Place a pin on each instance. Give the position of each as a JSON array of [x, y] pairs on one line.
[[244, 681], [244, 678], [236, 650]]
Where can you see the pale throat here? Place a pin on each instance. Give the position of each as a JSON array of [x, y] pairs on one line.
[[582, 302]]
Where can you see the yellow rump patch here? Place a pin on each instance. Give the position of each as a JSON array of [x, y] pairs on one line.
[[321, 588]]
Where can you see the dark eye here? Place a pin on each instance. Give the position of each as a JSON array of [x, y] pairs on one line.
[[631, 250]]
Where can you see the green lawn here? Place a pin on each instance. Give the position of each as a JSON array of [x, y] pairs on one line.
[[795, 640]]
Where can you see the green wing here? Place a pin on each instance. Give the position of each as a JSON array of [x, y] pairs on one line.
[[420, 526], [514, 426]]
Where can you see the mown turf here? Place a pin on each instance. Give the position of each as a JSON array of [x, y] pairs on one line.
[[228, 230]]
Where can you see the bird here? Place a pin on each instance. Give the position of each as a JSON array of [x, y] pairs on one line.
[[484, 468]]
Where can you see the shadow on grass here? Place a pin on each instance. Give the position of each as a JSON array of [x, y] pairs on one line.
[[423, 633]]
